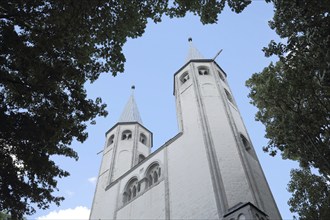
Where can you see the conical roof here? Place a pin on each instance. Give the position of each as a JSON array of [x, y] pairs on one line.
[[131, 112], [193, 53]]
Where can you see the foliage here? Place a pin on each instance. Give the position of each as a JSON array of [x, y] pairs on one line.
[[293, 95], [311, 195], [4, 216], [293, 100], [48, 50]]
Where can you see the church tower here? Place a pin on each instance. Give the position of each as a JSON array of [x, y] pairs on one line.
[[127, 143], [209, 170]]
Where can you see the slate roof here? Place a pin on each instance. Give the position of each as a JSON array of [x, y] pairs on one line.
[[131, 112], [193, 53]]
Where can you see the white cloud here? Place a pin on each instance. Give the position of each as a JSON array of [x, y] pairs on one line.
[[79, 212], [92, 180]]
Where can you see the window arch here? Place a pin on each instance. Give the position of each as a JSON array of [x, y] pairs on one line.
[[110, 140], [203, 71], [130, 191], [229, 97], [241, 217], [153, 174], [143, 139], [245, 142], [126, 135], [184, 77]]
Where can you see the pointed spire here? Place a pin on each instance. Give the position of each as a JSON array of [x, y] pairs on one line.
[[131, 112], [193, 53]]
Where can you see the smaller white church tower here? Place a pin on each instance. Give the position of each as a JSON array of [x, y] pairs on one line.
[[127, 143]]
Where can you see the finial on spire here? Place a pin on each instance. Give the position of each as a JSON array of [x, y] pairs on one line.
[[193, 53], [133, 87]]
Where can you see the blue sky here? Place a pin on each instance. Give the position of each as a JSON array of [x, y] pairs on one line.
[[151, 63]]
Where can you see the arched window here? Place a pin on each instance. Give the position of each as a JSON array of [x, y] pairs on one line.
[[130, 191], [126, 135], [245, 142], [184, 77], [229, 97], [141, 157], [110, 140], [221, 76], [153, 174], [241, 217], [143, 139], [203, 71]]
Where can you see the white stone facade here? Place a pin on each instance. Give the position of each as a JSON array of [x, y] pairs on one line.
[[208, 171]]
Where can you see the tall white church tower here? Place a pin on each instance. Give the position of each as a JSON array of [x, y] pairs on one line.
[[209, 170]]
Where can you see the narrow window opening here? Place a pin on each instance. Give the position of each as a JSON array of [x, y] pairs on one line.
[[155, 177], [159, 171], [245, 142], [203, 71], [134, 191], [221, 76], [150, 180], [126, 135], [229, 97], [184, 77], [139, 187], [141, 157], [110, 140], [129, 195], [143, 139]]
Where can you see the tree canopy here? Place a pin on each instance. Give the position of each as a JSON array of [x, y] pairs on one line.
[[293, 95], [311, 195], [48, 51], [293, 100]]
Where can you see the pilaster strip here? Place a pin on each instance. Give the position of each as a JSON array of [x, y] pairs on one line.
[[218, 187], [135, 143], [178, 104], [167, 190], [246, 165], [113, 159], [117, 201], [97, 182]]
